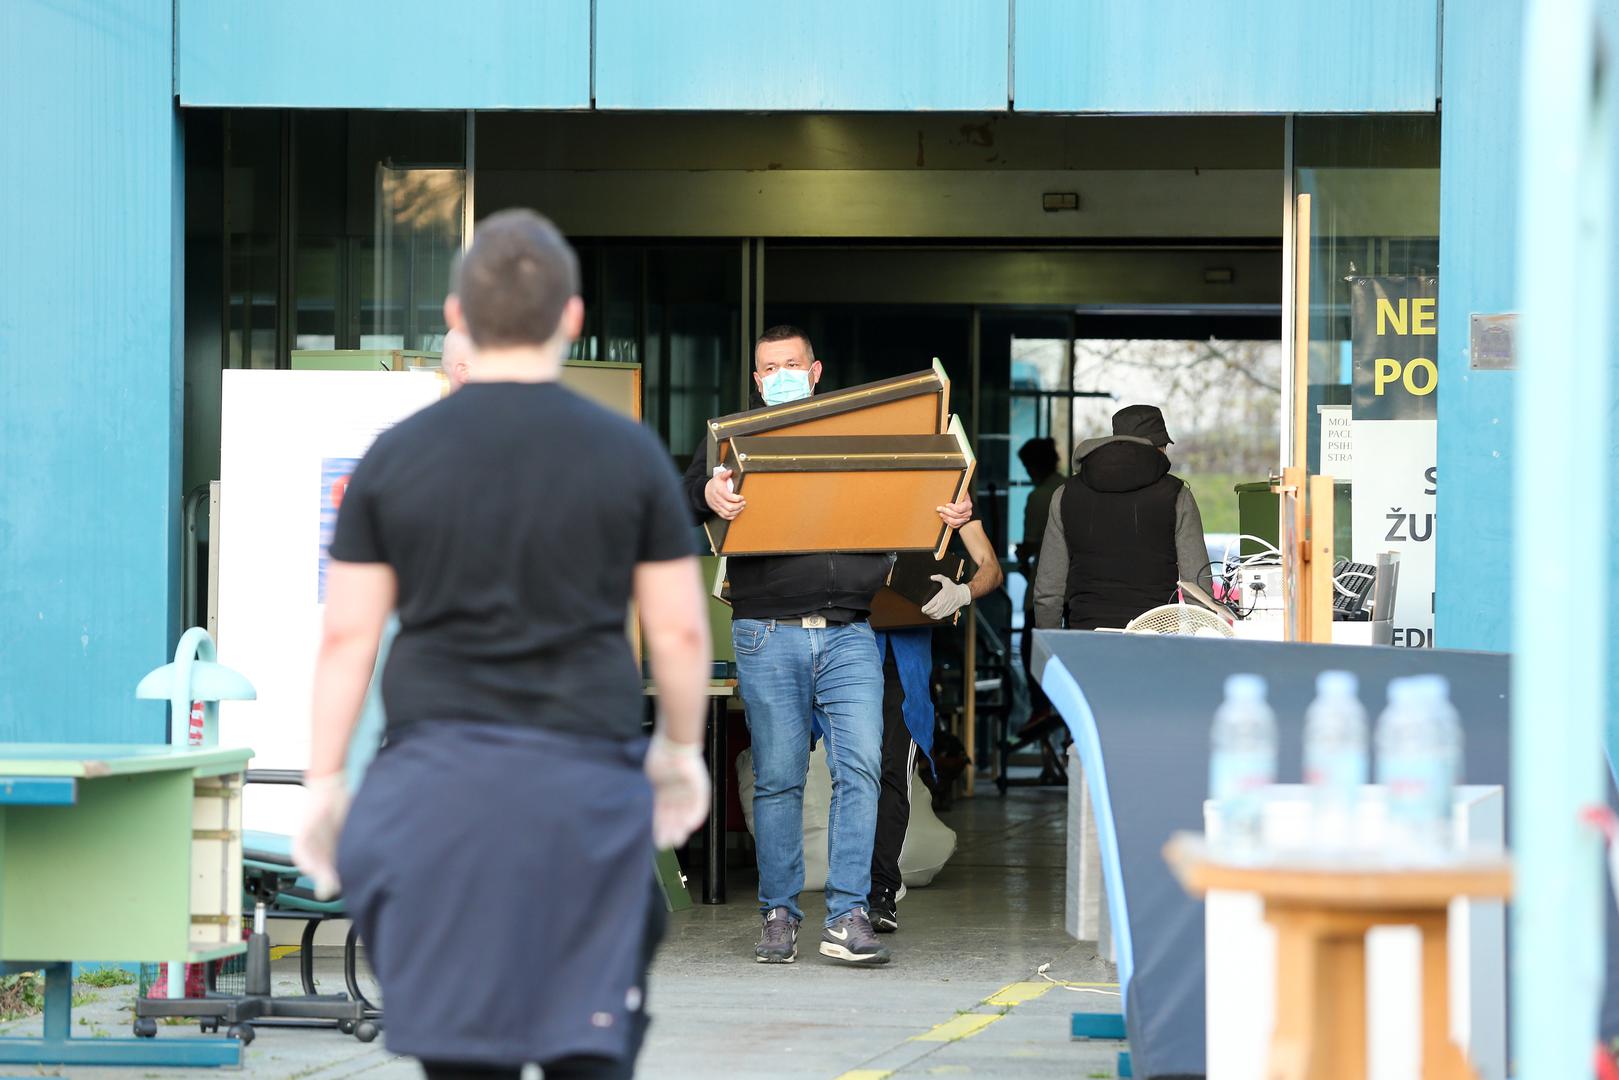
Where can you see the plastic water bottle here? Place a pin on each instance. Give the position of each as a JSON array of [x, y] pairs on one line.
[[1335, 758], [1418, 762], [1242, 763]]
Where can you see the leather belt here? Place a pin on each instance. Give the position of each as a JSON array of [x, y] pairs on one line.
[[815, 622]]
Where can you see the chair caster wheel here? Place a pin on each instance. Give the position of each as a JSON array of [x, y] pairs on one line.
[[346, 1026], [243, 1033], [366, 1031], [209, 1027], [145, 1028]]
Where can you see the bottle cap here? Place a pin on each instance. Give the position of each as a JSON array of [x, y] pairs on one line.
[[1337, 684], [1244, 688], [1431, 687]]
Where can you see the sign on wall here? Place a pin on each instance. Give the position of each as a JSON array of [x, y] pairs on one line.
[[1337, 442], [1394, 330], [1394, 342], [289, 440]]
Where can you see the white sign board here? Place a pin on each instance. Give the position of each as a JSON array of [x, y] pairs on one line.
[[289, 440], [1394, 499], [1337, 442]]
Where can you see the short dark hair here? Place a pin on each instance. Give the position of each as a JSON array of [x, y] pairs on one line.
[[785, 332], [1039, 456], [515, 279]]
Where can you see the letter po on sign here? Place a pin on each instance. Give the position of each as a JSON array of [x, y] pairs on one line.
[[1419, 375]]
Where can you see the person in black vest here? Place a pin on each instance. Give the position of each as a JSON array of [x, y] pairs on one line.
[[1122, 531]]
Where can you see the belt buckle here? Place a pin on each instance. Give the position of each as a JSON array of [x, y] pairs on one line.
[[814, 622]]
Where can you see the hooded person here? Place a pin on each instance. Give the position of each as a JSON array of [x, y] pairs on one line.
[[1121, 532]]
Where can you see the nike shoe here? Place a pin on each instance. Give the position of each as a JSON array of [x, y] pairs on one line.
[[884, 911], [778, 940], [851, 939]]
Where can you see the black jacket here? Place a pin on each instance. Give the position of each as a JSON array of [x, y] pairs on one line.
[[1121, 532], [785, 586]]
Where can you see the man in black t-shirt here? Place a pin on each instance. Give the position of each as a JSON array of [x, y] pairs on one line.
[[806, 655], [502, 836]]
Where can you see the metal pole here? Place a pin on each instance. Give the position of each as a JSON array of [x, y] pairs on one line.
[[469, 176], [1561, 635], [1289, 242]]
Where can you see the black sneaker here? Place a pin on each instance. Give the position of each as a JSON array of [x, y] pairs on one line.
[[884, 911], [778, 941], [850, 938]]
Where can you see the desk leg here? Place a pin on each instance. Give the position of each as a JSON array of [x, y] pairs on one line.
[[1442, 1059], [718, 782], [1320, 1031], [57, 1047]]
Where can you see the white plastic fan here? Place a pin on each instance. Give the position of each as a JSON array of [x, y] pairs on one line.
[[1180, 619]]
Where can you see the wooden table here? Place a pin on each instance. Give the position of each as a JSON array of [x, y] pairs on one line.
[[720, 691], [117, 854], [1321, 914]]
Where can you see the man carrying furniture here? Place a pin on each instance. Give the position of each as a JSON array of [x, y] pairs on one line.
[[805, 652]]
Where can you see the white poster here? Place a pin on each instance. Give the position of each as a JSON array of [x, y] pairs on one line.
[[289, 440], [1394, 500], [1337, 442]]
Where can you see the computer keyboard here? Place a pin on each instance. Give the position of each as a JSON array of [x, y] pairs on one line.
[[1357, 579]]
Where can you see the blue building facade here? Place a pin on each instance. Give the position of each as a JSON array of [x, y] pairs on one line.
[[103, 403], [187, 185]]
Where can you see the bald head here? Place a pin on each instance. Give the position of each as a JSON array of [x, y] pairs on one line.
[[457, 358]]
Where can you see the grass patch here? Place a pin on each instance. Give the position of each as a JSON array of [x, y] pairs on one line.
[[1216, 501], [21, 995], [104, 978]]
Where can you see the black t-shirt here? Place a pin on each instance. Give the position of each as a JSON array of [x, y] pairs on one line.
[[514, 515]]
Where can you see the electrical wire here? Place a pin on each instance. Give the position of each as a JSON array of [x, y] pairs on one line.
[[1078, 988], [1337, 578]]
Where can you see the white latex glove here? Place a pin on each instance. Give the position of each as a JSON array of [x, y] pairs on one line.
[[679, 790], [314, 847], [952, 597]]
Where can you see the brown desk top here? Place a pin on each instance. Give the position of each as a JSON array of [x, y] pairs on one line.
[[1360, 885], [716, 688]]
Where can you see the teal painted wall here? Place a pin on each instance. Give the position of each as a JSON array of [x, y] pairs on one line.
[[823, 56], [385, 54], [1172, 56], [1478, 203], [89, 366]]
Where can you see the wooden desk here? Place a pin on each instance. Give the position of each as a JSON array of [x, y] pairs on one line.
[[117, 854], [720, 691], [1321, 915]]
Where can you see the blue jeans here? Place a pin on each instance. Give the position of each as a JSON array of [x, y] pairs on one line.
[[788, 677]]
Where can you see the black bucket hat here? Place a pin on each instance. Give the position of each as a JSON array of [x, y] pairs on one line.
[[1144, 422]]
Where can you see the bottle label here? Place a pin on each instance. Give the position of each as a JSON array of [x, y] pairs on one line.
[[1338, 769], [1418, 786], [1237, 780]]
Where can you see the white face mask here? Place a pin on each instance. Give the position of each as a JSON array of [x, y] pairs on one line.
[[787, 384]]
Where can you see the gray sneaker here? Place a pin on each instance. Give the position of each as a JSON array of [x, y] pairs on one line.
[[850, 938], [778, 941]]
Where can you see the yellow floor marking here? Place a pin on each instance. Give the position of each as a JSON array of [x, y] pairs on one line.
[[281, 952], [1018, 993], [867, 1074], [1095, 986], [962, 1026]]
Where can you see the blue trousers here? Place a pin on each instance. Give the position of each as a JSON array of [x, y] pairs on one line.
[[790, 679]]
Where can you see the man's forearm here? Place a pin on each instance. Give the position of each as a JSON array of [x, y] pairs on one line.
[[342, 675], [679, 670], [1191, 547], [692, 484]]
